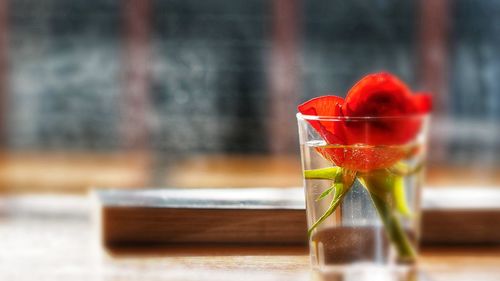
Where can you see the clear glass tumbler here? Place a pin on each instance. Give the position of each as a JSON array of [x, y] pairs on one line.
[[362, 179]]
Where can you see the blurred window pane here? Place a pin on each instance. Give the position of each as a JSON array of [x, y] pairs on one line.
[[192, 93]]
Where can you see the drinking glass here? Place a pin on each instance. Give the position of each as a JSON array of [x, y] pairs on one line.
[[362, 190]]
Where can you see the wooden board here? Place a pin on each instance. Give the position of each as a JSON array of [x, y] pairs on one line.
[[271, 216]]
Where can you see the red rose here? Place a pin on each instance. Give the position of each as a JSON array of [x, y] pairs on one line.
[[379, 95], [383, 95]]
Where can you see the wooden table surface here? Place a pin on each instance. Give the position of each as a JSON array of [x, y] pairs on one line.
[[53, 238]]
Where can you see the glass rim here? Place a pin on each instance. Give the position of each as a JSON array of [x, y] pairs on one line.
[[301, 116]]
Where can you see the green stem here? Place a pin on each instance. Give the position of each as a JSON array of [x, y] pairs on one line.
[[394, 229]]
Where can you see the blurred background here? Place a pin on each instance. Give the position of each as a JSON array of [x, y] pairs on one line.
[[192, 93]]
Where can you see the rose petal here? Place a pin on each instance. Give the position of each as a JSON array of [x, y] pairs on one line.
[[325, 106], [375, 95], [422, 102], [380, 95]]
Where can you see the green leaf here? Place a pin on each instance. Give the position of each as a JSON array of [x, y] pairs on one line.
[[329, 173]]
